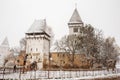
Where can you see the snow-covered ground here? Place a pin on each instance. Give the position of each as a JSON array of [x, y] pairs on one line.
[[73, 75]]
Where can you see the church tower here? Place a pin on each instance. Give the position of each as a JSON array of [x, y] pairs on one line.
[[38, 43], [75, 23], [4, 51]]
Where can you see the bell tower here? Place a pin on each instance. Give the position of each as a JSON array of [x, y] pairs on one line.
[[75, 23]]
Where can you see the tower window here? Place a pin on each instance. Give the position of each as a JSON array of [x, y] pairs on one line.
[[75, 30], [58, 55]]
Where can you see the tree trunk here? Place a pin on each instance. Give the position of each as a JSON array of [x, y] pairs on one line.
[[72, 61]]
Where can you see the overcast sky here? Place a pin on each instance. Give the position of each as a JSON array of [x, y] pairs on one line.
[[16, 16]]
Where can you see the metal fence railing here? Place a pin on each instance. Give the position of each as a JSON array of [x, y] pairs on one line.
[[61, 74]]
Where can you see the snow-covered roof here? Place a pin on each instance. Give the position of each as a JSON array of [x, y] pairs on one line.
[[5, 43], [38, 26], [75, 18]]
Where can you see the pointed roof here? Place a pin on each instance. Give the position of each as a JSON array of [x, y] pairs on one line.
[[75, 18], [5, 42], [38, 26]]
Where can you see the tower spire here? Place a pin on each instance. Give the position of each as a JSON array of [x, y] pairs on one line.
[[75, 22], [75, 18], [75, 5]]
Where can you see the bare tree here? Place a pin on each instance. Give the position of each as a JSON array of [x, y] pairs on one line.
[[78, 43], [23, 44], [110, 49], [91, 42], [67, 44]]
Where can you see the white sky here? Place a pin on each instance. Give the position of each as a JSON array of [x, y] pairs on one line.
[[16, 16]]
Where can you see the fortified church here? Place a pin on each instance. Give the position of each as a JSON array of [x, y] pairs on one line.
[[38, 39]]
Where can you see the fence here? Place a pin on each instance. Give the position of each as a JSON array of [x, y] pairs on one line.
[[9, 74]]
